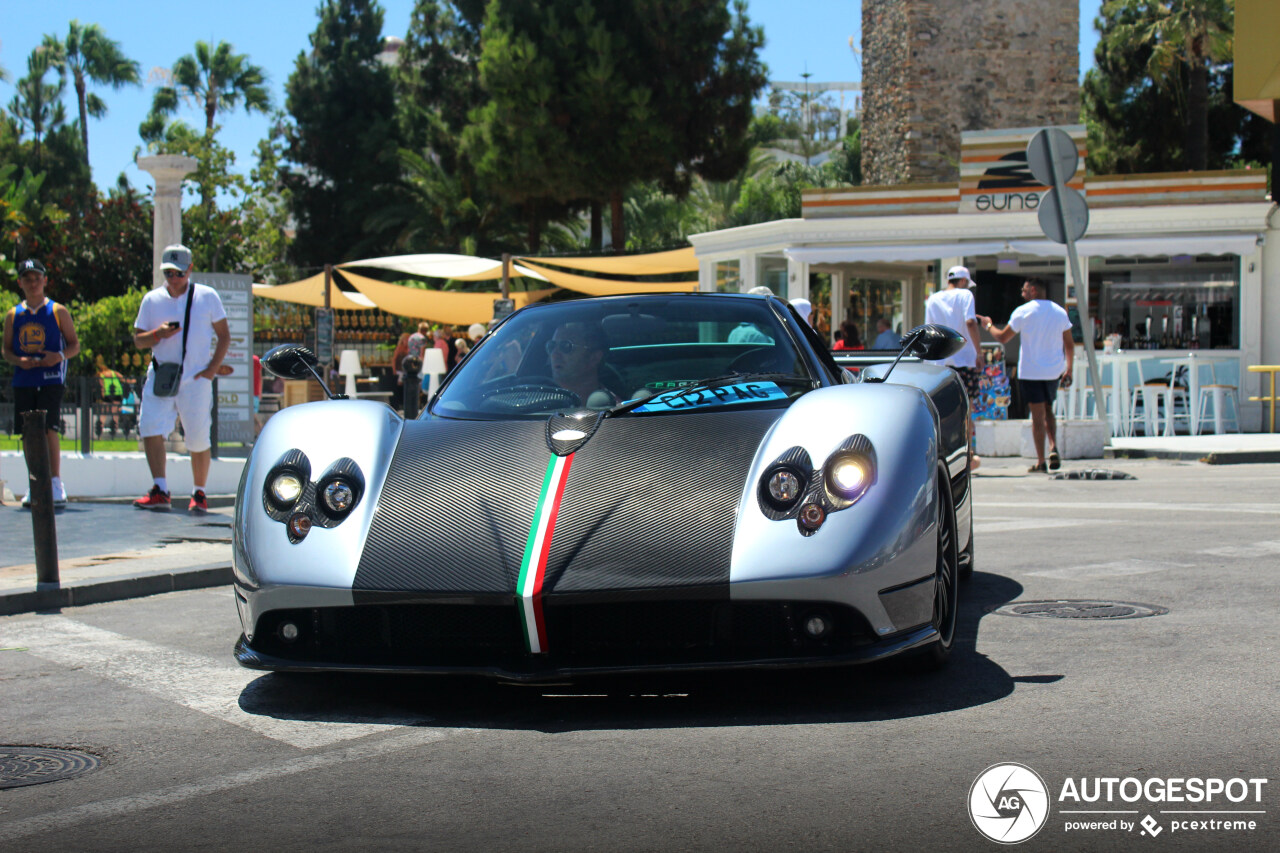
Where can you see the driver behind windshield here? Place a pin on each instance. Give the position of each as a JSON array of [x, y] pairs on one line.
[[574, 353]]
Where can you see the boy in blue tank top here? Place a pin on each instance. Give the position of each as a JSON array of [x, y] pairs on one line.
[[39, 337]]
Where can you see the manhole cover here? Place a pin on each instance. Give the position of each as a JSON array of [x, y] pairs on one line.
[[1080, 609], [34, 765]]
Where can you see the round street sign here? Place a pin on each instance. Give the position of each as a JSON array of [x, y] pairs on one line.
[[1052, 145], [1074, 215]]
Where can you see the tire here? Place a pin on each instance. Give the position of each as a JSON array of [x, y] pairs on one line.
[[966, 556], [946, 580]]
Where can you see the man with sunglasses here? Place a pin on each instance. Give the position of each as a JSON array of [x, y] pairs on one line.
[[159, 326], [574, 353]]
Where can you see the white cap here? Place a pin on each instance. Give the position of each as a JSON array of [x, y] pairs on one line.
[[803, 307], [959, 272], [175, 258]]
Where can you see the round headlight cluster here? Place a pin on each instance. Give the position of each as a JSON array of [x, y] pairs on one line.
[[849, 476], [784, 486]]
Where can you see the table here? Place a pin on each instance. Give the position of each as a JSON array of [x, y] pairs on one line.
[[1267, 368], [1119, 363], [1193, 362]]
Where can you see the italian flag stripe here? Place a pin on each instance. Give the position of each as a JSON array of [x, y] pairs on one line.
[[533, 568]]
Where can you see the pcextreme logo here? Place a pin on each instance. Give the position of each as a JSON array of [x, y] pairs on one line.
[[1008, 803]]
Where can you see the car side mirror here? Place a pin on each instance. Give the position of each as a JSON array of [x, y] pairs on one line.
[[933, 341], [291, 361]]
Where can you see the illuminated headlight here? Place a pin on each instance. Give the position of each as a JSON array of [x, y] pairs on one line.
[[338, 497], [850, 471], [849, 476], [285, 488], [784, 486]]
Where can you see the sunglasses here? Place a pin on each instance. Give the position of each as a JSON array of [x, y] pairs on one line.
[[565, 346], [174, 274]]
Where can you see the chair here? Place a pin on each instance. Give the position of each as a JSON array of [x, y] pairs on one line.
[[1218, 395], [1112, 409]]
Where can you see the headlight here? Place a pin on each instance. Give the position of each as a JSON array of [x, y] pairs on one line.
[[849, 471], [285, 487], [784, 486], [338, 497]]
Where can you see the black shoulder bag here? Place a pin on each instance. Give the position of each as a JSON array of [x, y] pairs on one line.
[[169, 376]]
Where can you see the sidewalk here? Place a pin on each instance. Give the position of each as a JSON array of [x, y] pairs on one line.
[[108, 550]]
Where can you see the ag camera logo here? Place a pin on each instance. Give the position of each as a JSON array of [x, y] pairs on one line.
[[1008, 803]]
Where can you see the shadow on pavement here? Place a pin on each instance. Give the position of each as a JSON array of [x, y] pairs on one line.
[[889, 690]]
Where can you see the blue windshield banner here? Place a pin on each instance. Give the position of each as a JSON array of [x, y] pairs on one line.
[[724, 395]]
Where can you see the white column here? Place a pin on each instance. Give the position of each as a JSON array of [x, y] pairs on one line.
[[839, 299], [797, 280], [168, 170], [748, 272], [707, 276]]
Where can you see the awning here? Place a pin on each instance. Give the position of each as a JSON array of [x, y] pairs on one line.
[[892, 254], [456, 267], [1122, 247], [655, 263], [310, 291], [440, 306], [608, 286]]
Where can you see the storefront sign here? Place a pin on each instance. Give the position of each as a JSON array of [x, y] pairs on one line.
[[994, 175]]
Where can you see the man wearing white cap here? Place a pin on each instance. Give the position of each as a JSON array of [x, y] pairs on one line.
[[803, 307], [179, 323], [954, 307]]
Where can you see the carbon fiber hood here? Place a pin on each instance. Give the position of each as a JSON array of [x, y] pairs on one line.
[[649, 502]]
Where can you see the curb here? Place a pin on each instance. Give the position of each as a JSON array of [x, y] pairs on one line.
[[98, 590], [1230, 457]]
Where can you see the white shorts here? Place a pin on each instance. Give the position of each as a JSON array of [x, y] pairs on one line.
[[194, 404]]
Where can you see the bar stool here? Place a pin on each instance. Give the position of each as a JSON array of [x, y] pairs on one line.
[[1154, 398], [1112, 409], [1218, 395]]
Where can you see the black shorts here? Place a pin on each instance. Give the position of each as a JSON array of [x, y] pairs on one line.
[[1038, 390], [28, 399]]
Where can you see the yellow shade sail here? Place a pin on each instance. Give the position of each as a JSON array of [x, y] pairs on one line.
[[656, 263], [609, 287], [439, 306], [310, 291]]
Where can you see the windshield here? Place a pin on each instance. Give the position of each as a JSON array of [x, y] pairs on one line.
[[608, 353]]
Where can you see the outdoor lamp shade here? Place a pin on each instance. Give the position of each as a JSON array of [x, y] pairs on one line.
[[349, 366], [432, 367]]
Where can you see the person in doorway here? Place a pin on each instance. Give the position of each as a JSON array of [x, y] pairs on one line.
[[849, 337], [39, 337], [886, 337], [953, 306], [159, 326], [1045, 360]]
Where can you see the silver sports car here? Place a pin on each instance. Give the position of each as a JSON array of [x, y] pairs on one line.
[[624, 484]]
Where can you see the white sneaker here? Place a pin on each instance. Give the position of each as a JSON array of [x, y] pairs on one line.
[[59, 492]]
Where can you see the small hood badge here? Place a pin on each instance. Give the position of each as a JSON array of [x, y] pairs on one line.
[[568, 431]]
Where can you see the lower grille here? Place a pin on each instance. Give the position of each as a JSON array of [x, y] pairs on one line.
[[579, 635]]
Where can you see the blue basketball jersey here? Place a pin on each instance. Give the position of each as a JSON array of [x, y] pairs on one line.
[[34, 334]]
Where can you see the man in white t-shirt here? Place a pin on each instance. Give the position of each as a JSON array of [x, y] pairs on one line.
[[159, 326], [954, 307], [1045, 359]]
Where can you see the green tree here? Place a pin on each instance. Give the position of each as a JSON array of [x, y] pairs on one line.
[[587, 98], [89, 56], [437, 78], [342, 143], [38, 105]]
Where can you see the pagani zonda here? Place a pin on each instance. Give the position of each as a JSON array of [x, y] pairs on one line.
[[727, 497]]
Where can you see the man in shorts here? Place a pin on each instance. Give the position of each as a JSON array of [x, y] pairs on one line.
[[953, 306], [39, 337], [159, 326], [1045, 360]]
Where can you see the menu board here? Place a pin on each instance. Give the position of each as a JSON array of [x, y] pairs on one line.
[[235, 392]]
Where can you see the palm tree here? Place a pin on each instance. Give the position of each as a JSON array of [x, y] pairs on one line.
[[215, 78], [88, 55], [1185, 36], [37, 104]]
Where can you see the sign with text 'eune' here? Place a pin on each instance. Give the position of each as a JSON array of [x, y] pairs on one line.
[[995, 176]]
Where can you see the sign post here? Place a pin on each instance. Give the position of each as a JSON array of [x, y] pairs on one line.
[[1064, 217]]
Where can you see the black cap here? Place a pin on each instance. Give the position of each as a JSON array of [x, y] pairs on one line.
[[30, 265]]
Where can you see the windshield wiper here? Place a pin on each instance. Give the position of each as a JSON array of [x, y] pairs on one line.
[[718, 382]]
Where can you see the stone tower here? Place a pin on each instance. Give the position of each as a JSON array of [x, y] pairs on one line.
[[934, 68]]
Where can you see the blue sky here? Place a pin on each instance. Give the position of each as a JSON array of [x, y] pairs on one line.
[[813, 35]]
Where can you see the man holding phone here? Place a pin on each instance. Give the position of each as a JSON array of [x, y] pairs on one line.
[[200, 350]]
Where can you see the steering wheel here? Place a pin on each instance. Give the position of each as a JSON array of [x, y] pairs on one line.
[[530, 393], [757, 360]]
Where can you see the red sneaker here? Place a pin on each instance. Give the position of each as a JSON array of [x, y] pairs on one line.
[[155, 500], [198, 505]]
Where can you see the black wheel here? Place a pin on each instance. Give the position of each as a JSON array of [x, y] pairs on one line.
[[946, 579]]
